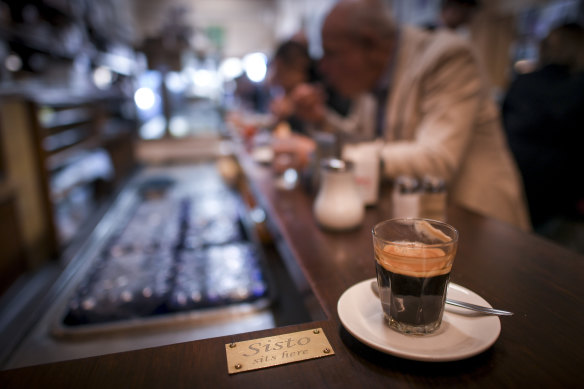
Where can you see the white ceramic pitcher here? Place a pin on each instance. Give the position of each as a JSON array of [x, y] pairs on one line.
[[338, 204]]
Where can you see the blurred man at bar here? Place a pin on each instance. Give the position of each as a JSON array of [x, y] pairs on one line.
[[291, 66], [543, 113], [435, 115]]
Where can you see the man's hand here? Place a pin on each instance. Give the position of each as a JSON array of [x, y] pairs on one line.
[[309, 103], [282, 107]]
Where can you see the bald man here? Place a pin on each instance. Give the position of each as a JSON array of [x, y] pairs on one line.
[[434, 115]]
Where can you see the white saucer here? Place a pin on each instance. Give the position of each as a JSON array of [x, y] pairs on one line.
[[461, 335]]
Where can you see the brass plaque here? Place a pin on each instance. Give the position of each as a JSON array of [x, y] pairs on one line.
[[277, 350]]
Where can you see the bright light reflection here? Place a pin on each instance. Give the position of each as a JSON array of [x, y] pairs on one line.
[[144, 98], [290, 177], [154, 128], [257, 215], [102, 77], [13, 63], [231, 68], [174, 82], [255, 65], [524, 66], [203, 78], [179, 126]]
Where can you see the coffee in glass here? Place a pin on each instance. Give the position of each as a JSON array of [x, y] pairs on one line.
[[413, 259]]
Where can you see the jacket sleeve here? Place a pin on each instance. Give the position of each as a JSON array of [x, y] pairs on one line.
[[445, 100]]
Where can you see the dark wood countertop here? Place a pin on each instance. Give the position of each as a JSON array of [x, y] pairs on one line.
[[539, 346]]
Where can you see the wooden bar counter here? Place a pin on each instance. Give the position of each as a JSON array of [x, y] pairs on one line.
[[540, 346]]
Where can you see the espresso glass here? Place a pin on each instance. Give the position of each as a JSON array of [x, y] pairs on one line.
[[413, 260]]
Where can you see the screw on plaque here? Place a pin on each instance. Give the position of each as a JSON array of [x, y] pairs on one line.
[[326, 351], [232, 345], [316, 331], [238, 366]]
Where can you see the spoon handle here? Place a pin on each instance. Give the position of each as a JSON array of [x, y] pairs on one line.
[[478, 308], [462, 304]]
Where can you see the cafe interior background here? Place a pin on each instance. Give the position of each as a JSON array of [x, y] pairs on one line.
[[93, 91]]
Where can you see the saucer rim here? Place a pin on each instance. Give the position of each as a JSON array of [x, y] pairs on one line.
[[450, 316]]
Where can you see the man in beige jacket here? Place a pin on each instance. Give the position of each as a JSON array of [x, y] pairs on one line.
[[438, 116]]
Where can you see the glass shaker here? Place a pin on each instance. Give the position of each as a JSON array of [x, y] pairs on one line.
[[406, 197], [338, 204], [433, 205]]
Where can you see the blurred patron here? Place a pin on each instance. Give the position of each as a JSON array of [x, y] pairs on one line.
[[435, 115], [292, 70], [251, 96], [543, 114], [291, 66]]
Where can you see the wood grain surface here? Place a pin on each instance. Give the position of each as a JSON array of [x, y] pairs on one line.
[[540, 346]]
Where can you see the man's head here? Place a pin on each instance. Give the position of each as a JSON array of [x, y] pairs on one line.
[[563, 46], [357, 38], [291, 65], [457, 13]]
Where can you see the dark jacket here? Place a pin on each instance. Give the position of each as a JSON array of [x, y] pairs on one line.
[[543, 114]]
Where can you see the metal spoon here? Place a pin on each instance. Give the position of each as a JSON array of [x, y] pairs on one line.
[[462, 304]]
